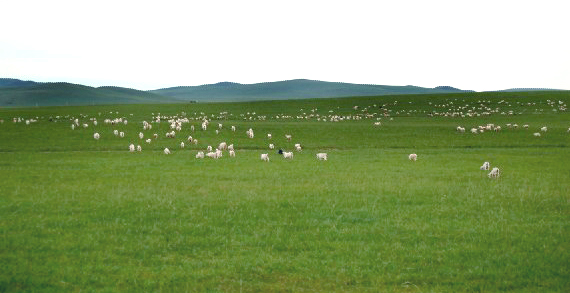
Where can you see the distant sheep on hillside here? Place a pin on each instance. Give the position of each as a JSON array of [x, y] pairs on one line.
[[413, 157]]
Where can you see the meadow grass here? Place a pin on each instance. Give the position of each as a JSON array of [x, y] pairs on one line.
[[83, 215]]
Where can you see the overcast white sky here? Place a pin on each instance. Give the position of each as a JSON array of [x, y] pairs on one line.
[[478, 45]]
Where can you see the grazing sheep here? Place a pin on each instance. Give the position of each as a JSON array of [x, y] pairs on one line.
[[377, 123], [568, 130], [195, 141], [189, 138], [182, 145], [217, 131], [525, 126], [139, 148], [213, 155], [460, 129], [148, 140], [265, 157], [269, 135], [121, 134], [209, 148], [219, 126], [495, 173], [322, 156], [204, 126], [271, 146], [413, 157], [232, 153], [288, 155], [231, 147], [141, 135], [192, 128], [249, 133], [474, 130], [200, 155], [166, 151], [298, 148], [85, 125], [116, 132], [72, 126], [223, 145], [131, 148], [537, 134], [155, 136], [543, 129], [485, 166], [288, 137], [233, 128], [96, 136]]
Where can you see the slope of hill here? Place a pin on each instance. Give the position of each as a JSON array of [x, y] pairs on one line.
[[289, 89], [12, 82], [61, 94]]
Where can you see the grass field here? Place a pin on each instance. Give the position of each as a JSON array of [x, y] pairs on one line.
[[80, 215]]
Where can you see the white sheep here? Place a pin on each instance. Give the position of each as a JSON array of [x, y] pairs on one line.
[[181, 144], [485, 166], [288, 137], [121, 134], [249, 133], [231, 147], [209, 148], [271, 146], [233, 128], [148, 140], [116, 132], [288, 155], [212, 155], [265, 157], [190, 138], [96, 136], [543, 129], [413, 157], [232, 153], [200, 155], [166, 151], [269, 136], [85, 125], [223, 145], [298, 148], [131, 148], [537, 134], [322, 156], [139, 148], [219, 126], [141, 135], [495, 173]]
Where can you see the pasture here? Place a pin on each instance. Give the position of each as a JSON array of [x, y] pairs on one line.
[[84, 215]]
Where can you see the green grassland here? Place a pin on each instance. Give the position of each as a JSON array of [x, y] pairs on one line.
[[80, 215]]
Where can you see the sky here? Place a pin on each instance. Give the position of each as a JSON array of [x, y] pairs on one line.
[[476, 45]]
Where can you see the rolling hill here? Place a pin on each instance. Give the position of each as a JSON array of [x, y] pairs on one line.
[[17, 93], [289, 89]]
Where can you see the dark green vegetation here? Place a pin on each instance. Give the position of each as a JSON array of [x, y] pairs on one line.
[[83, 215]]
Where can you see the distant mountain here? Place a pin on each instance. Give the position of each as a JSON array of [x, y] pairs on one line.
[[61, 94], [527, 90], [289, 89], [446, 88]]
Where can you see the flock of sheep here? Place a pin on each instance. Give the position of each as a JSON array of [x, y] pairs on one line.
[[176, 125], [451, 108], [497, 128]]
